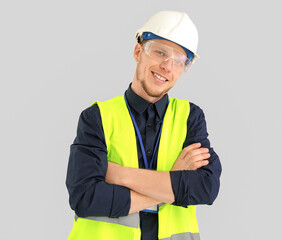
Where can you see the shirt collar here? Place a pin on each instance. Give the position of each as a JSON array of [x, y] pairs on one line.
[[139, 104]]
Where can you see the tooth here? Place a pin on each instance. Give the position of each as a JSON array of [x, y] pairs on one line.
[[159, 77]]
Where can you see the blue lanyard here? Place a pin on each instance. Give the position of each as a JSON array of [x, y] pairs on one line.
[[140, 138]]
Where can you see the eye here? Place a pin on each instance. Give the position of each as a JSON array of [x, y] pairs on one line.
[[160, 53], [178, 62]]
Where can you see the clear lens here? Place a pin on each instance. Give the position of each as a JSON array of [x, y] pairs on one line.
[[162, 52]]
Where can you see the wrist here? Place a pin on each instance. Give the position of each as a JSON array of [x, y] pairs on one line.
[[115, 174], [123, 175]]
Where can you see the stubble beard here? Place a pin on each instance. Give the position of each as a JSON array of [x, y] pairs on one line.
[[146, 89]]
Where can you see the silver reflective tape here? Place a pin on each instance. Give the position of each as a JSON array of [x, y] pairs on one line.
[[183, 236], [132, 220], [154, 208]]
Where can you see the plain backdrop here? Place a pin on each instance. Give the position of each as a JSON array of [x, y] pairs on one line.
[[58, 57]]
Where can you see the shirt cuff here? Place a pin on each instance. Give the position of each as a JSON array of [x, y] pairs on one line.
[[121, 201], [177, 185]]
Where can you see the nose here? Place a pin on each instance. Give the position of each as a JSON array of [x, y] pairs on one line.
[[167, 64]]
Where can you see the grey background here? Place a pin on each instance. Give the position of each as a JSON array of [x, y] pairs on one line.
[[58, 57]]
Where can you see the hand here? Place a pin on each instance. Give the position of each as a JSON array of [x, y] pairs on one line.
[[113, 172], [192, 158]]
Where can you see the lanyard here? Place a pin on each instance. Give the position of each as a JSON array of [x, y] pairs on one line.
[[140, 138]]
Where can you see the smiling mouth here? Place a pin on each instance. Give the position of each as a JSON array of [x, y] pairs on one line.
[[161, 78]]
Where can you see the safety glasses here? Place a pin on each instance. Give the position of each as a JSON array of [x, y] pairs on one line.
[[162, 52]]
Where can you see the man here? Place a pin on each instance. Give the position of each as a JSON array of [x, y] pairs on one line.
[[142, 161]]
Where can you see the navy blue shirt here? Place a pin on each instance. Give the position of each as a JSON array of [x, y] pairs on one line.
[[90, 195]]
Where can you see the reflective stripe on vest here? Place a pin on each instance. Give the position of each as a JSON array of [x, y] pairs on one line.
[[131, 220], [174, 222], [184, 236]]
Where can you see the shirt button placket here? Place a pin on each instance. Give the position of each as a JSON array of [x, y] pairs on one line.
[[149, 152], [150, 133]]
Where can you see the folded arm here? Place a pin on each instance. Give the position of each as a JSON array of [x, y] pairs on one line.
[[194, 178], [89, 194], [92, 195], [155, 184], [197, 186]]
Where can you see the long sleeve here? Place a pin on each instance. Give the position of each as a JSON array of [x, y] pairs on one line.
[[89, 194], [201, 186]]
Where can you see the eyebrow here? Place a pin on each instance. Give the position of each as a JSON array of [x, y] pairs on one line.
[[173, 49], [161, 48]]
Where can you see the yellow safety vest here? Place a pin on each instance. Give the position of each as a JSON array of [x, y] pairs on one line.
[[174, 222]]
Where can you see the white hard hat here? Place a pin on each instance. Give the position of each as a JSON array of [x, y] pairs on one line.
[[174, 26]]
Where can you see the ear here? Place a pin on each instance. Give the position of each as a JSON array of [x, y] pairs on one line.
[[137, 51]]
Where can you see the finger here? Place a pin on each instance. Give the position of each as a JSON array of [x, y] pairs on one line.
[[197, 158], [195, 152], [190, 148], [199, 164], [189, 160], [202, 163]]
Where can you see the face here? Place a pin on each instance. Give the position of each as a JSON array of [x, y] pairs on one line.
[[152, 80]]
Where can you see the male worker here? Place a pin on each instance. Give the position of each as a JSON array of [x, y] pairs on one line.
[[142, 161]]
